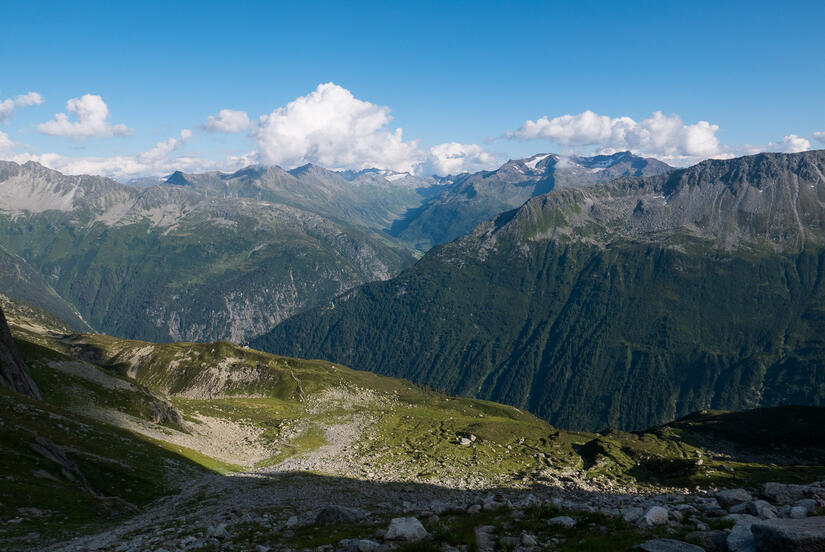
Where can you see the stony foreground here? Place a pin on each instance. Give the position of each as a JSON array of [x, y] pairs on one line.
[[264, 512]]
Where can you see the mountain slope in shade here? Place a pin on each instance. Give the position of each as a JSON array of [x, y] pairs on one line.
[[623, 304], [14, 374], [21, 280], [173, 262], [470, 199]]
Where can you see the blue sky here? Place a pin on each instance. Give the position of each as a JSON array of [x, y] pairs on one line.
[[461, 79]]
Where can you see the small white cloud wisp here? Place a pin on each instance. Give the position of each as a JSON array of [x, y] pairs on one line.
[[229, 121], [8, 105]]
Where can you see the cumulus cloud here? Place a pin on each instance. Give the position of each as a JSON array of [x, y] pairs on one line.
[[657, 135], [332, 128], [8, 105], [227, 120], [455, 158], [819, 137], [91, 114]]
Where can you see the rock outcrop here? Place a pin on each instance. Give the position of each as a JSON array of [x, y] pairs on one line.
[[14, 374]]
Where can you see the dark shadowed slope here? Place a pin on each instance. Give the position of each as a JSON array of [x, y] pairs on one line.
[[14, 374]]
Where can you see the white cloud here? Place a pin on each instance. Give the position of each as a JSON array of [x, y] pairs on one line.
[[6, 145], [332, 128], [156, 161], [164, 148], [819, 137], [789, 144], [91, 113], [228, 120], [23, 100], [455, 158], [658, 135]]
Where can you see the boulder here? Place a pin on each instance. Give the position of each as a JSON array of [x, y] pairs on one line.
[[484, 538], [218, 531], [807, 504], [564, 521], [656, 515], [338, 514], [407, 529], [790, 535], [631, 514], [732, 497], [528, 540], [365, 545], [761, 509], [668, 545], [785, 493], [740, 539], [712, 541], [797, 512]]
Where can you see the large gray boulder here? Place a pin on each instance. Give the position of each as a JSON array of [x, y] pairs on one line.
[[668, 545], [656, 515], [338, 514], [407, 529], [712, 541], [732, 497], [785, 493], [740, 539], [790, 535]]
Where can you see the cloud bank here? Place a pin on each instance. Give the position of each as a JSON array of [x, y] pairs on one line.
[[91, 113], [659, 135]]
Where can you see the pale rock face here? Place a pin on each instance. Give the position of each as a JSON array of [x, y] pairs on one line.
[[656, 515], [407, 529]]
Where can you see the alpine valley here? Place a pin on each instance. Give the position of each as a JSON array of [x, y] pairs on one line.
[[567, 353]]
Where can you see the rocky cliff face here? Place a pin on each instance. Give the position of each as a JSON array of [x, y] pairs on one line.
[[14, 374]]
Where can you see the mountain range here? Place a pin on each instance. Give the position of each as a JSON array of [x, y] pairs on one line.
[[171, 262], [228, 256], [621, 304]]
